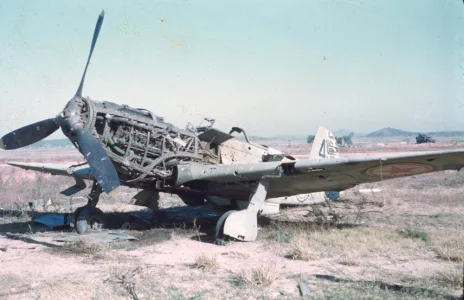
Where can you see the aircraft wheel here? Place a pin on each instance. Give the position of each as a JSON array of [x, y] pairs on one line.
[[88, 219], [220, 238]]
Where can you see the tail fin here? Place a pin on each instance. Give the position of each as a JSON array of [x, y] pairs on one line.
[[324, 145]]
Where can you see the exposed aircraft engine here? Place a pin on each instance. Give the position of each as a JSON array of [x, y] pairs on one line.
[[143, 147]]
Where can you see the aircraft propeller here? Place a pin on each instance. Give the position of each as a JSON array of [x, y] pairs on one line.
[[70, 118]]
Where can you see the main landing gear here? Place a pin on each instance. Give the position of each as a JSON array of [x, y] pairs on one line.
[[89, 217], [243, 225]]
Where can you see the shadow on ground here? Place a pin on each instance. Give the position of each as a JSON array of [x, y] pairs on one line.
[[197, 221]]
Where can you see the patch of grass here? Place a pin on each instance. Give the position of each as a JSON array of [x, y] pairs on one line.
[[349, 259], [352, 246], [440, 214], [263, 275], [301, 250], [377, 289], [367, 291], [449, 246], [175, 294], [206, 262], [85, 247], [283, 234], [452, 277], [409, 233], [198, 296]]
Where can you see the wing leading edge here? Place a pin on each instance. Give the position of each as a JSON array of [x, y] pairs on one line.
[[83, 172], [329, 174]]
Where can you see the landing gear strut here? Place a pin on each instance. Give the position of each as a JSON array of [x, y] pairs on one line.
[[89, 217], [243, 225]]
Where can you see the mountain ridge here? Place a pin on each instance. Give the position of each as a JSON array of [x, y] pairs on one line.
[[393, 132]]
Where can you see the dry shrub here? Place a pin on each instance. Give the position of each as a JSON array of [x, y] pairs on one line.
[[348, 259], [83, 246], [206, 262], [449, 246], [264, 275], [128, 281], [301, 250]]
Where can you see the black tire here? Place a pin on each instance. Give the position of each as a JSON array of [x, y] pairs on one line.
[[86, 219], [219, 235]]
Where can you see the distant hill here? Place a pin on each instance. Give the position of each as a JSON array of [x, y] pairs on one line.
[[392, 132], [446, 133]]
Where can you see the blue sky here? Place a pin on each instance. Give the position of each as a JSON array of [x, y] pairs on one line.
[[271, 67]]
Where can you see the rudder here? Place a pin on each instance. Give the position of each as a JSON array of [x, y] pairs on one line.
[[324, 145]]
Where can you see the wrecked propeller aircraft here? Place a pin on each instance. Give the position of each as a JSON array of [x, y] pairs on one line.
[[132, 147]]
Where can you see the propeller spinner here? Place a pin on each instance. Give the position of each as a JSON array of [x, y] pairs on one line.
[[71, 122]]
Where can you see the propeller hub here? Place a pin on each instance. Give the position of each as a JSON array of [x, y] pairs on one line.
[[78, 113]]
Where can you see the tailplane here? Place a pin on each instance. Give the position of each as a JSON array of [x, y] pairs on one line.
[[324, 145]]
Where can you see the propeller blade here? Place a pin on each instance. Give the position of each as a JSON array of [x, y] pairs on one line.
[[98, 160], [94, 41], [28, 135]]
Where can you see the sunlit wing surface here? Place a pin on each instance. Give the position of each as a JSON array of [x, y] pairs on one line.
[[330, 174]]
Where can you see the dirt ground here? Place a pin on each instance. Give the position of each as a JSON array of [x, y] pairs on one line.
[[404, 242]]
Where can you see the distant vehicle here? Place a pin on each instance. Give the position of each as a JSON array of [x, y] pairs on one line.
[[423, 138]]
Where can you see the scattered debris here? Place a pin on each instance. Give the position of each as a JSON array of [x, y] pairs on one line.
[[304, 289], [36, 203], [54, 220], [98, 237]]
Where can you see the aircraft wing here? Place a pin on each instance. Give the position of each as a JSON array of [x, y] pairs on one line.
[[327, 174], [79, 173], [53, 169]]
